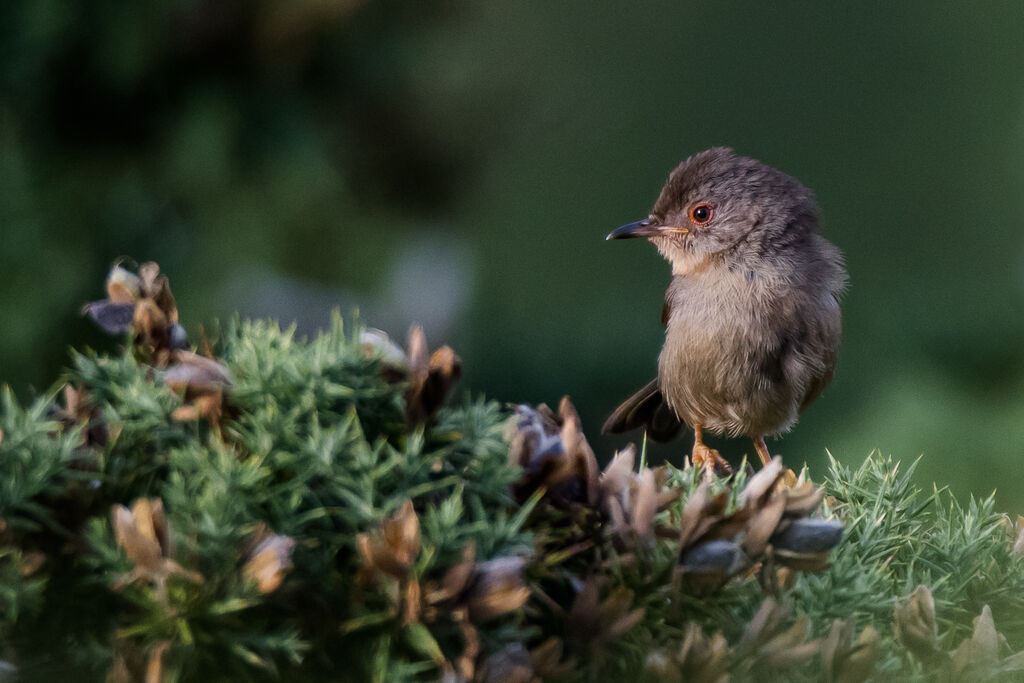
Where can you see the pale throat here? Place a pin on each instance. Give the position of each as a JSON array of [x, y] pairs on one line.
[[686, 263], [683, 262]]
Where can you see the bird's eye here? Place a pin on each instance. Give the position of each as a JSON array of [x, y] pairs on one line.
[[702, 213]]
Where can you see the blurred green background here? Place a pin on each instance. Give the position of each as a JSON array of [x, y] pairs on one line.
[[459, 163]]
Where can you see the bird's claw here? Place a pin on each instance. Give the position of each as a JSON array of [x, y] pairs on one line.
[[712, 460]]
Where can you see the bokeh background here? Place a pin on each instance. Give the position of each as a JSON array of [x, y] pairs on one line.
[[459, 163]]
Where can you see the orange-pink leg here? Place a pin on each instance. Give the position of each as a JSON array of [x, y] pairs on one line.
[[705, 455], [762, 449]]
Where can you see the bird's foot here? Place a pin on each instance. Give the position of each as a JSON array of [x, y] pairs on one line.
[[712, 460]]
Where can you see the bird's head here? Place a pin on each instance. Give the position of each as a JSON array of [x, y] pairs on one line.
[[720, 205]]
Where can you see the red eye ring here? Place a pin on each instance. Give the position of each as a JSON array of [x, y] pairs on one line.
[[701, 214]]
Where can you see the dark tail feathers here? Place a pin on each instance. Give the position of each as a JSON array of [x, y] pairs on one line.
[[646, 408]]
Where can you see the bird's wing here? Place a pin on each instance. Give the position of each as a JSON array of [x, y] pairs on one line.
[[816, 386], [646, 408], [829, 333]]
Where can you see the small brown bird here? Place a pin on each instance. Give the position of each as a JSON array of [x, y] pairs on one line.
[[751, 316]]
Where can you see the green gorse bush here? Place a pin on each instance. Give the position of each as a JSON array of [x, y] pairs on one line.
[[283, 508]]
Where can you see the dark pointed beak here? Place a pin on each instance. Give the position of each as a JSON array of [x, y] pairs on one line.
[[644, 228]]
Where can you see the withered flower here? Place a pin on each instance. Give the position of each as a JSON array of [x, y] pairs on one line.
[[767, 641], [145, 535], [593, 622], [390, 553], [269, 560], [201, 382], [376, 344], [708, 552], [145, 304], [770, 522], [497, 587], [115, 313], [554, 454], [699, 659], [79, 411], [430, 376], [764, 502], [486, 589], [631, 499], [805, 544], [800, 542], [395, 547], [915, 625], [1015, 535], [472, 591], [191, 374], [980, 652], [845, 660], [980, 656]]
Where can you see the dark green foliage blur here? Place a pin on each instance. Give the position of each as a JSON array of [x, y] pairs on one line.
[[460, 162]]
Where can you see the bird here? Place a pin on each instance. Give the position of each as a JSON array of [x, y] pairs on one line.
[[751, 315]]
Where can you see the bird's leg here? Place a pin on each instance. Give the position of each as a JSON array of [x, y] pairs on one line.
[[704, 455], [762, 449]]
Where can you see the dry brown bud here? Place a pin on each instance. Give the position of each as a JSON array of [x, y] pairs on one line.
[[915, 623], [394, 548], [269, 561], [145, 535]]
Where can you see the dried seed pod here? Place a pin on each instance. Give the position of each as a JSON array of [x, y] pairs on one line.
[[497, 587], [808, 536], [123, 286], [979, 657], [269, 560], [769, 522], [980, 652], [201, 381], [377, 344], [430, 377], [554, 454], [764, 522], [719, 558], [112, 318], [708, 553], [594, 622], [915, 625], [145, 535], [845, 660], [483, 589], [632, 499], [144, 303], [768, 643], [803, 499], [191, 374], [394, 547], [1015, 535], [699, 659]]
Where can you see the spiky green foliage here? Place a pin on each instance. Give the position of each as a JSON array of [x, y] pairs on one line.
[[314, 445], [316, 448]]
